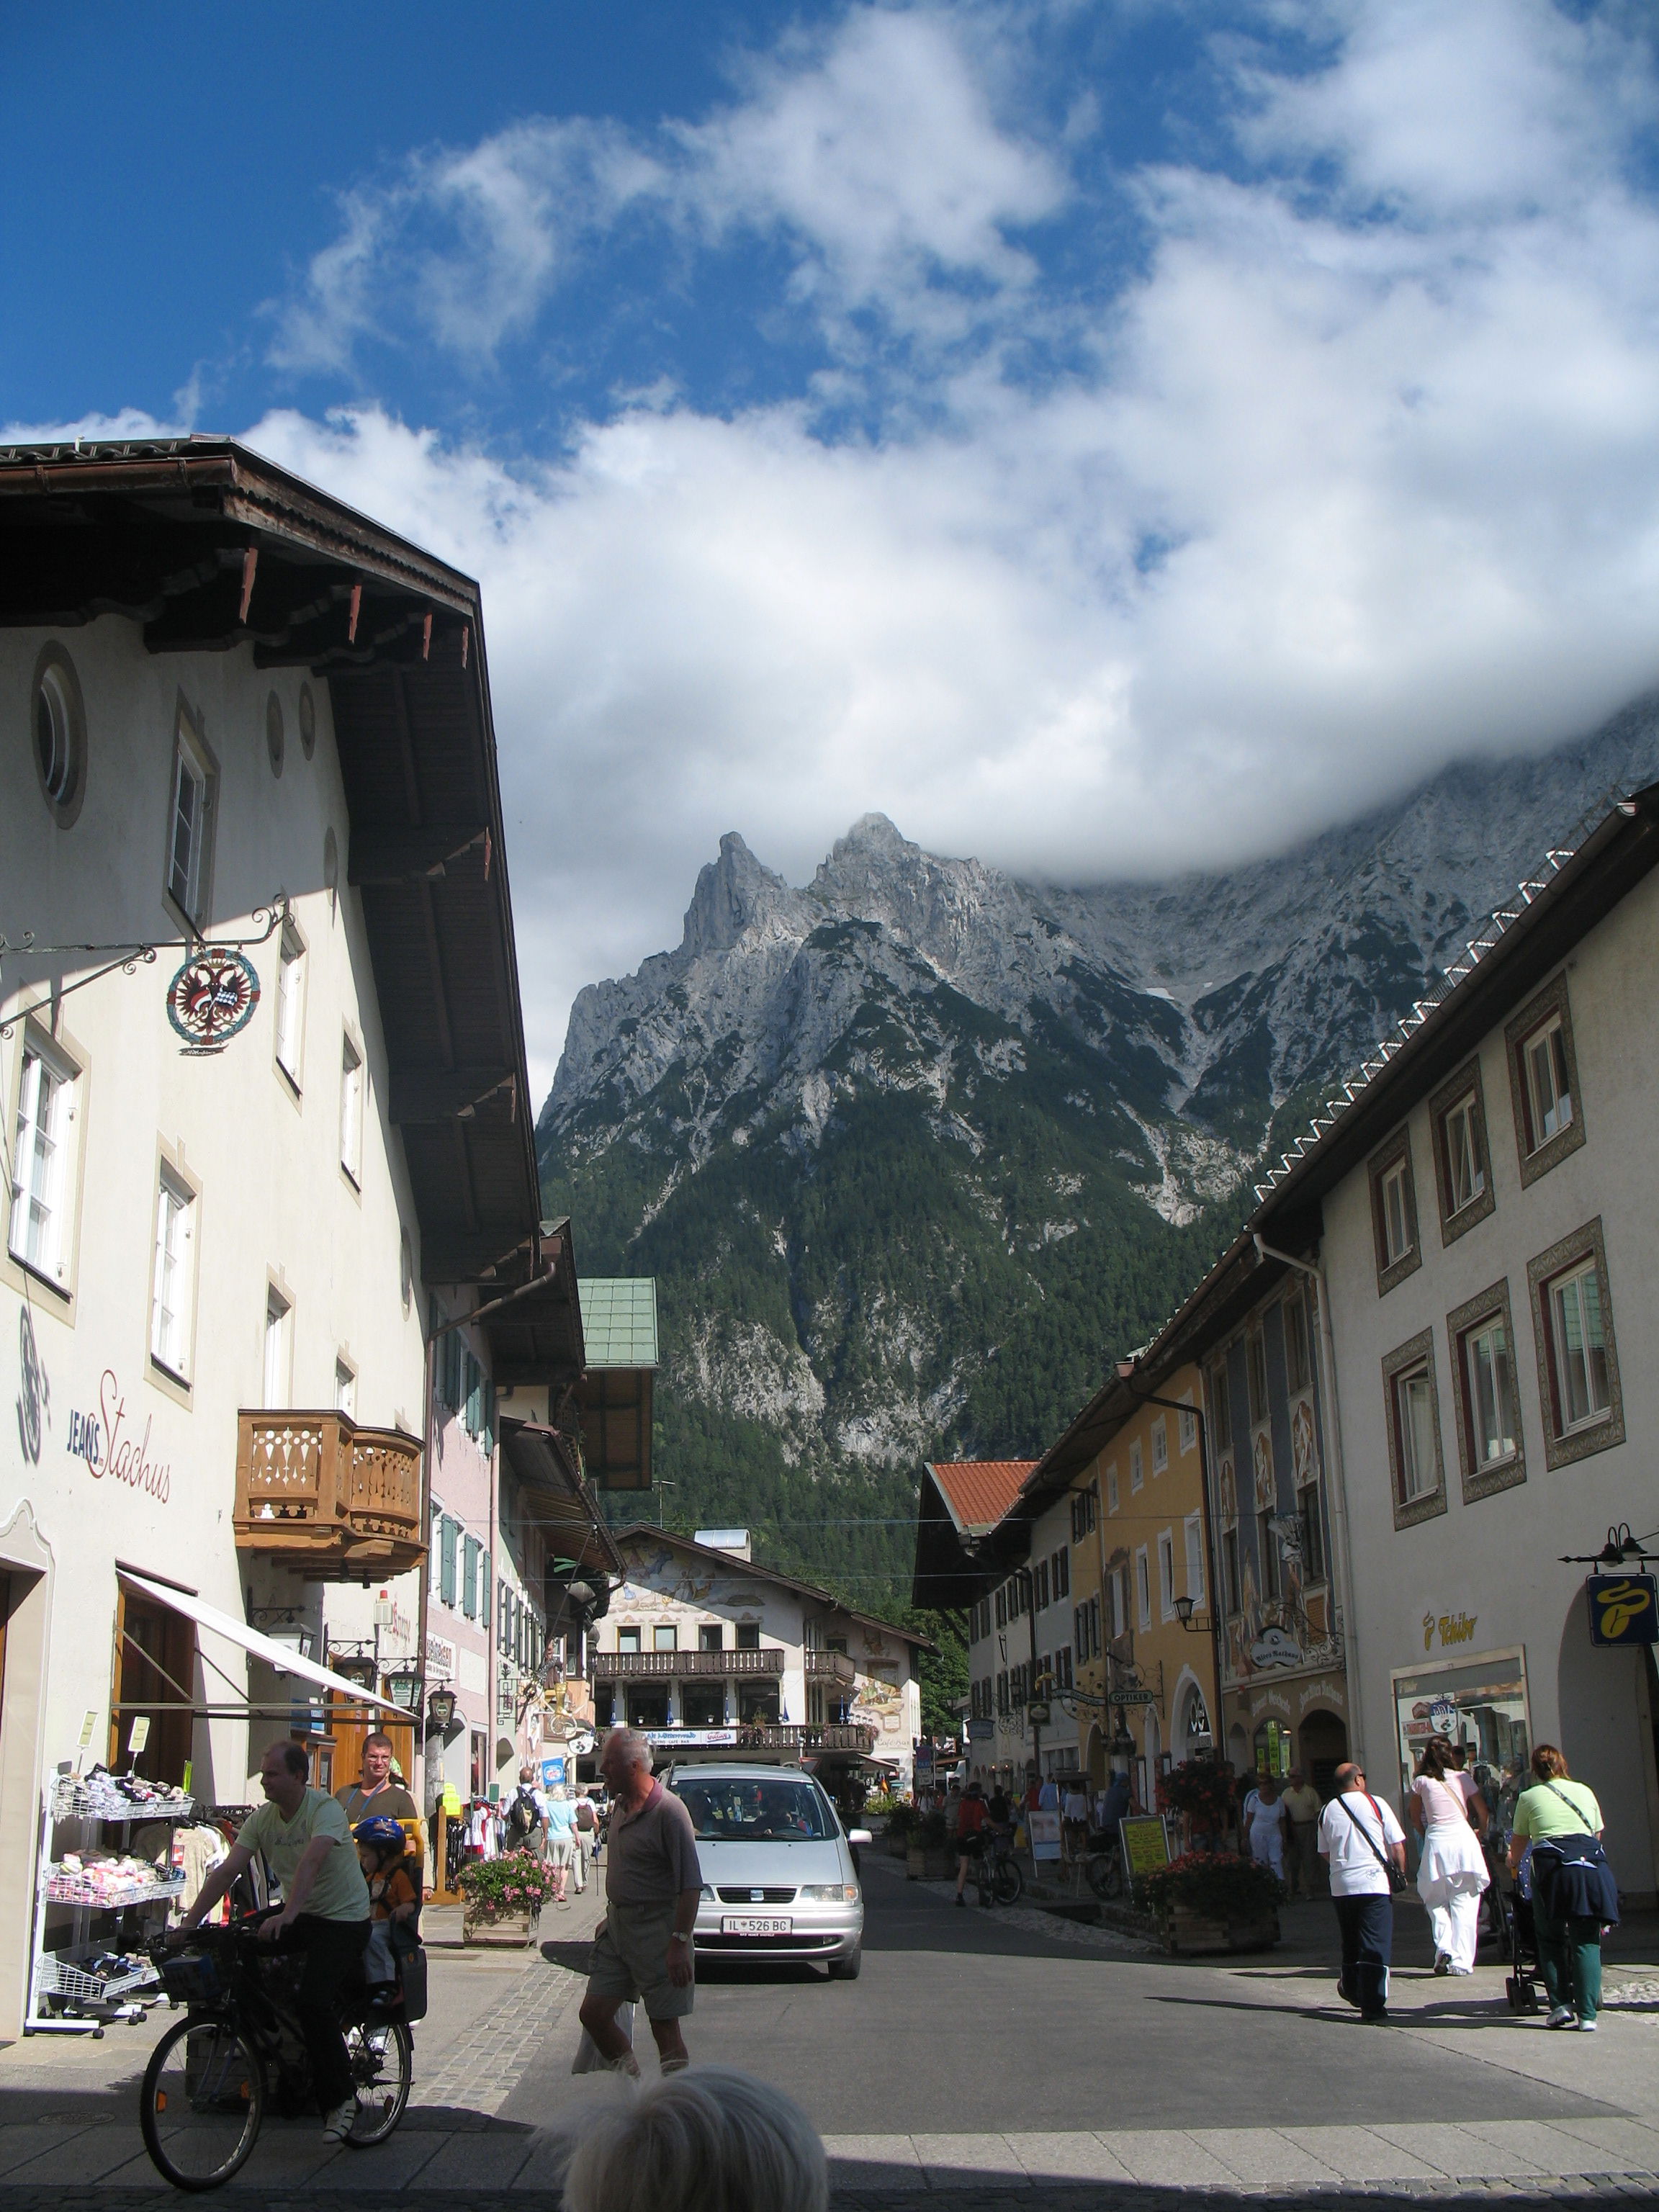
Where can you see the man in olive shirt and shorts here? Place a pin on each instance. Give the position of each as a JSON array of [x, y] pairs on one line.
[[304, 1835], [653, 1884]]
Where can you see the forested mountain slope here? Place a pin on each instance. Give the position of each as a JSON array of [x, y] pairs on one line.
[[915, 1150]]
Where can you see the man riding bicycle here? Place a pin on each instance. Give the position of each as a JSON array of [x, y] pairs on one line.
[[304, 1835]]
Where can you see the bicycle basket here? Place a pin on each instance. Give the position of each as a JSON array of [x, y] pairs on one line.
[[191, 1977]]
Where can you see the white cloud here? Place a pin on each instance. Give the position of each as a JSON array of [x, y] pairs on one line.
[[1344, 494]]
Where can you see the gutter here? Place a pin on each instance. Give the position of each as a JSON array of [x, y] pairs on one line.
[[1333, 1421]]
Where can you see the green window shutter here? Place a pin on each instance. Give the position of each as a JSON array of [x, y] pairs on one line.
[[469, 1577], [446, 1570], [484, 1590]]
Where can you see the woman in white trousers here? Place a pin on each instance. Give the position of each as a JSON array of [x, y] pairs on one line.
[[1452, 1870]]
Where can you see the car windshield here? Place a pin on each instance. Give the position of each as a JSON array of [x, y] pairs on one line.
[[735, 1811]]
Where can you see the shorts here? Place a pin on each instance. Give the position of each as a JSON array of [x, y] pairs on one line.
[[559, 1850], [629, 1960]]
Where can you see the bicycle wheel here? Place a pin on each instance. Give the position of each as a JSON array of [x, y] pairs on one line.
[[202, 2099], [1010, 1882], [382, 2056], [1104, 1874]]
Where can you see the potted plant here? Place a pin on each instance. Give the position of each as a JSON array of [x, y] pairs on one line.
[[503, 1898], [900, 1821], [1211, 1901], [1201, 1793]]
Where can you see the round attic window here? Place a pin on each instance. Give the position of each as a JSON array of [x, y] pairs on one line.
[[60, 735], [274, 733]]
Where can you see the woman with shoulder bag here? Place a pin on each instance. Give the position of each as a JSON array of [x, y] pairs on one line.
[[1574, 1895]]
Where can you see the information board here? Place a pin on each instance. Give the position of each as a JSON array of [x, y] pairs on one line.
[[1145, 1840], [1043, 1828]]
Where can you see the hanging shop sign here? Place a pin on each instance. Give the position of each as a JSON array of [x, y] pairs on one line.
[[1623, 1610], [212, 998], [1276, 1647]]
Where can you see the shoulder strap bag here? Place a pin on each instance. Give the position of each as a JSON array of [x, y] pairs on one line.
[[1396, 1877]]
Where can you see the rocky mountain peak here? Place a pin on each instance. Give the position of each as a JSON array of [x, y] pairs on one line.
[[731, 894]]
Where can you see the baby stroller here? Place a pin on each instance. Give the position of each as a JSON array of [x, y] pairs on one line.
[[1520, 1947]]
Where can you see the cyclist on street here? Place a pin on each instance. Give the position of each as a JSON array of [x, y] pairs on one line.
[[303, 1834], [970, 1833]]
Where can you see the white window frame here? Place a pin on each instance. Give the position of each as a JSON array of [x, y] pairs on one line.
[[353, 1086], [1166, 1581], [1413, 1395], [345, 1386], [291, 962], [276, 1367], [1137, 1466], [1394, 1191], [45, 1162], [1111, 1488], [1160, 1445], [188, 879], [1192, 1530], [172, 1274], [1546, 1121], [1187, 1424], [1478, 1367], [1466, 1170], [1143, 1586], [1571, 1281]]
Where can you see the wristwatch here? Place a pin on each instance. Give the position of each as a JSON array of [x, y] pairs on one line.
[[678, 1938]]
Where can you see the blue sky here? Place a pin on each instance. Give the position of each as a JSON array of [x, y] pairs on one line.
[[1105, 435]]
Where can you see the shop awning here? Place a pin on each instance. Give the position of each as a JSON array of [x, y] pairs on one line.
[[257, 1646]]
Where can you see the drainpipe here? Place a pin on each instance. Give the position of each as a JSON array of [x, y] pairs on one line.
[[1333, 1417]]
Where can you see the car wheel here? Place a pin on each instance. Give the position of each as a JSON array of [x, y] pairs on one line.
[[847, 1969]]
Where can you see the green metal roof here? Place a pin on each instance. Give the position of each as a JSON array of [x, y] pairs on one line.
[[619, 1320]]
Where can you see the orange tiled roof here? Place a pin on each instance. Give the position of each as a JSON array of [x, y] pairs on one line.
[[979, 1491]]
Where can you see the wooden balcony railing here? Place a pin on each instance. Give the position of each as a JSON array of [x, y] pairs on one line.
[[836, 1736], [829, 1667], [683, 1665], [329, 1499]]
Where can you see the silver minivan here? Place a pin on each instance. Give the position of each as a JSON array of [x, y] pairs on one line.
[[778, 1877]]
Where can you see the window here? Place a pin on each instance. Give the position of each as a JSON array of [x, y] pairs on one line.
[[1255, 1373], [1040, 1580], [1187, 1423], [42, 1181], [1002, 1692], [1267, 1548], [748, 1636], [60, 735], [1094, 1628], [1119, 1588], [1194, 1536], [1064, 1679], [1489, 1380], [1086, 1512], [1143, 1588], [1298, 1352], [1229, 1569], [345, 1389], [1160, 1445], [1465, 1160], [1577, 1355], [1310, 1521], [447, 1579], [351, 1111], [1166, 1589], [471, 1549], [290, 1003], [278, 1317], [173, 1282], [1002, 1608], [710, 1636], [1457, 1124], [434, 1544], [1060, 1574], [1394, 1212], [1221, 1409], [1414, 1419], [1137, 1471], [1544, 1082], [188, 835], [628, 1639], [484, 1587], [665, 1638], [1111, 1488]]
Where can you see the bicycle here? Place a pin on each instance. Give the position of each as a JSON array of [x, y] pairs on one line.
[[239, 2052], [997, 1873], [1103, 1867]]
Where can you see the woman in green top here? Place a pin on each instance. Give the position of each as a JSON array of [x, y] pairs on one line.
[[1569, 1950]]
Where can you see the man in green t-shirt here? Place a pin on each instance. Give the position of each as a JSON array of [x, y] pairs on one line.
[[304, 1836]]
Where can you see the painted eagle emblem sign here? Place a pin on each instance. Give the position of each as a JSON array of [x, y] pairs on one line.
[[212, 998]]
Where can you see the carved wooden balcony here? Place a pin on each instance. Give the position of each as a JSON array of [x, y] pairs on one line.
[[835, 1735], [683, 1665], [829, 1667], [329, 1499]]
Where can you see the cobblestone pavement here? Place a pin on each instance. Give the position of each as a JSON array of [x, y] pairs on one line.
[[483, 2066]]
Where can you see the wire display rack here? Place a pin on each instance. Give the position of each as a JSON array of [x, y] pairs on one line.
[[67, 1997]]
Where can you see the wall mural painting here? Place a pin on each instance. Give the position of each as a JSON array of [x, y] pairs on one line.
[[1266, 1490], [1228, 1490], [1302, 1457]]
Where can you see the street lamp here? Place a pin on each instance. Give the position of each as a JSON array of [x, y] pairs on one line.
[[1122, 1745], [1183, 1606], [403, 1685], [441, 1711], [353, 1667]]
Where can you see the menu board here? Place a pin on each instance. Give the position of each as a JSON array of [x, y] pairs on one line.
[[1146, 1844]]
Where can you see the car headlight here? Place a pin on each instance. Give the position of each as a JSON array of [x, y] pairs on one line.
[[708, 1896], [830, 1893]]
